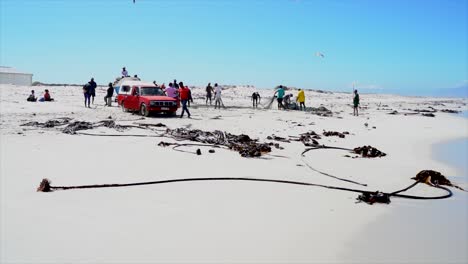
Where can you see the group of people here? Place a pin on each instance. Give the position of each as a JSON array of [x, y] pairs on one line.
[[46, 98], [183, 93], [284, 100], [217, 95]]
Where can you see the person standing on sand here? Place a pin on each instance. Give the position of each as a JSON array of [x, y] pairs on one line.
[[108, 97], [171, 91], [87, 94], [255, 99], [209, 92], [190, 96], [92, 90], [301, 99], [218, 100], [184, 97], [280, 93], [356, 103]]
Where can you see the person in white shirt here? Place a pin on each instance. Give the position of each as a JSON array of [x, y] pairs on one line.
[[124, 72], [218, 100]]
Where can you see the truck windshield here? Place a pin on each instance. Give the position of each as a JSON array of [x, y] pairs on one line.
[[152, 91]]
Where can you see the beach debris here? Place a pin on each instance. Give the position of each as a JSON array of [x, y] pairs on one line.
[[394, 112], [428, 114], [369, 152], [242, 143], [335, 133], [44, 186], [50, 123], [320, 111], [277, 138], [198, 152], [450, 111], [309, 139], [76, 126], [152, 125], [366, 124], [211, 151], [376, 197], [434, 178]]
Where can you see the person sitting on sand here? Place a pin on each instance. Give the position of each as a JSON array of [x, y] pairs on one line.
[[125, 72], [184, 97], [108, 97], [47, 97], [209, 92], [32, 97], [255, 99], [280, 97], [92, 89], [301, 99], [218, 100], [355, 103]]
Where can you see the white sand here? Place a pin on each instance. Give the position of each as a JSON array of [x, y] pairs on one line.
[[224, 221]]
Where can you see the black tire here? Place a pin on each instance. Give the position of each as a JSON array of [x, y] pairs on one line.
[[143, 110]]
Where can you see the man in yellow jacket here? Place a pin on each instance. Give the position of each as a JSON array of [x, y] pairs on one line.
[[301, 99]]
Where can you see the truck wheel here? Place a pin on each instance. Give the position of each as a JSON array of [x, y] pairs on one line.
[[143, 110], [123, 107]]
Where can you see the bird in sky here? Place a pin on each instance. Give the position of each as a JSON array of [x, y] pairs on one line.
[[318, 54]]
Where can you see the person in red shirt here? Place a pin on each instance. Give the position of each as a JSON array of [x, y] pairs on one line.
[[184, 94], [46, 97]]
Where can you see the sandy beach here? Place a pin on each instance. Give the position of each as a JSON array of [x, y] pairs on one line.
[[228, 221]]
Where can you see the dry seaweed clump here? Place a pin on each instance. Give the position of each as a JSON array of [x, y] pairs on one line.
[[369, 152], [434, 178], [375, 197], [77, 125], [335, 133], [242, 143], [309, 139], [44, 186], [50, 123]]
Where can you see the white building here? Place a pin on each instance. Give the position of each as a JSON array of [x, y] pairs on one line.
[[10, 75]]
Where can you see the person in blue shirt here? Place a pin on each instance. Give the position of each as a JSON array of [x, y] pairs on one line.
[[280, 97]]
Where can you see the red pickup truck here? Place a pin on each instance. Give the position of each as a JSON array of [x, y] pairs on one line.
[[145, 98]]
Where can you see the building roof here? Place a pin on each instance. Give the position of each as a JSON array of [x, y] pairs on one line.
[[4, 69]]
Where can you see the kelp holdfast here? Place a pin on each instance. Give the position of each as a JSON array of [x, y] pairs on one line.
[[375, 197]]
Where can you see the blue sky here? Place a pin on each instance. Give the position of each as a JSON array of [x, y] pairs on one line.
[[411, 47]]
